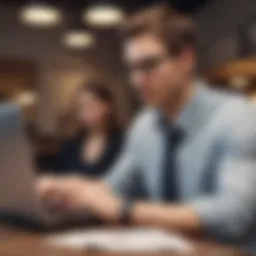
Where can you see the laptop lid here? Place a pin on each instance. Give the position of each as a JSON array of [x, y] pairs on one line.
[[17, 177]]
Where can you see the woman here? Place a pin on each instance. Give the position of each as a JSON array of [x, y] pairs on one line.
[[99, 135]]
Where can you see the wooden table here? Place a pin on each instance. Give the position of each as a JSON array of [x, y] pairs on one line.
[[14, 242]]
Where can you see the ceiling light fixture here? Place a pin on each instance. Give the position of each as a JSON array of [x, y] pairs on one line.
[[103, 15], [40, 14], [78, 39]]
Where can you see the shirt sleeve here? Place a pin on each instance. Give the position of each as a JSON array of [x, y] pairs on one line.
[[230, 212]]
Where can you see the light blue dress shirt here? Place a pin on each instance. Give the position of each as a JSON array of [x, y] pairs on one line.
[[216, 162]]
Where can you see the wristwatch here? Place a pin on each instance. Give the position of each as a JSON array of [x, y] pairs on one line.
[[125, 214]]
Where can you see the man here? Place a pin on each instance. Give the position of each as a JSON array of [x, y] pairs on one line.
[[192, 151]]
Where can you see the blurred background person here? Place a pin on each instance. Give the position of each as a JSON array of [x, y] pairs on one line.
[[95, 132]]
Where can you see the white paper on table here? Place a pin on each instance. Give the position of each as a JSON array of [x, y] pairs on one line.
[[128, 240]]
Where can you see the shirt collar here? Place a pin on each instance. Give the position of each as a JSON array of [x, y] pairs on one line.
[[188, 118], [190, 111]]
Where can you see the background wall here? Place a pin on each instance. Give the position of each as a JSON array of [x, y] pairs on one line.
[[59, 70], [219, 23]]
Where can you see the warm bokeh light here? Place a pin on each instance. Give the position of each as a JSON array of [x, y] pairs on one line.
[[40, 15], [26, 98], [239, 82], [103, 15], [78, 39]]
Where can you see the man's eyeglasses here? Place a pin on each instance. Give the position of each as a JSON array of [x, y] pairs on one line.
[[148, 64]]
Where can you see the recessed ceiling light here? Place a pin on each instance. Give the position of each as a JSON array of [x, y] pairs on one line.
[[78, 39], [40, 15], [103, 15]]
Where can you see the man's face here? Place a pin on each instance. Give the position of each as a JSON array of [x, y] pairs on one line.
[[157, 76]]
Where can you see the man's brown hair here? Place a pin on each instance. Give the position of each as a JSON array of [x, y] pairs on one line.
[[176, 30]]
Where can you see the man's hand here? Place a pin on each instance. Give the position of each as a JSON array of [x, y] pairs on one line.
[[75, 193], [62, 193]]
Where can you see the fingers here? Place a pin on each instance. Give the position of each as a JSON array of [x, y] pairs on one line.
[[50, 193], [48, 183], [63, 194], [43, 185], [54, 201]]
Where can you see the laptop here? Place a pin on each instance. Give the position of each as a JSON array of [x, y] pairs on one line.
[[19, 203]]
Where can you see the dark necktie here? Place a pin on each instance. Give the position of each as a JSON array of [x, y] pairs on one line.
[[170, 173]]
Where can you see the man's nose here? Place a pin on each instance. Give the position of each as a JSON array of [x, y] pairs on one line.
[[140, 80]]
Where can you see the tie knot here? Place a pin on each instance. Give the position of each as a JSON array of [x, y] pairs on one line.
[[176, 135]]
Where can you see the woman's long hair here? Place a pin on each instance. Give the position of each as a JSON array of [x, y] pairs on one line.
[[104, 90]]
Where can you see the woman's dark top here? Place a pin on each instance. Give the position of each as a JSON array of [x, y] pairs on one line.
[[69, 160]]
